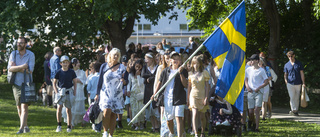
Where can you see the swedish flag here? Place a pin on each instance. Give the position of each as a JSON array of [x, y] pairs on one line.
[[227, 46]]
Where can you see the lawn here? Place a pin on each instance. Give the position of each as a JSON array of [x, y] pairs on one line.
[[42, 122]]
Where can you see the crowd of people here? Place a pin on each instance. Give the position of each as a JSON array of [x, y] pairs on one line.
[[187, 103]]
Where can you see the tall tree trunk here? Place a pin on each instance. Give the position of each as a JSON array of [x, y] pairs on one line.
[[270, 10], [119, 34]]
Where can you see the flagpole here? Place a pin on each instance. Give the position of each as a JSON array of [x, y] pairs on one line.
[[145, 106]]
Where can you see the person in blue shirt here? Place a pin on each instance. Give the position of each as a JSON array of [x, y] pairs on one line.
[[19, 61], [294, 78], [165, 45], [55, 66], [92, 90]]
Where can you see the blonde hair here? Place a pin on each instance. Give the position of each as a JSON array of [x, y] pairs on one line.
[[194, 61], [112, 52]]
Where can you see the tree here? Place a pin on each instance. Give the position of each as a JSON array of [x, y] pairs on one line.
[[208, 14], [83, 19]]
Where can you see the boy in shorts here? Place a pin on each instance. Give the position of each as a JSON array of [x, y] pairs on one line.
[[255, 80], [174, 94], [65, 77]]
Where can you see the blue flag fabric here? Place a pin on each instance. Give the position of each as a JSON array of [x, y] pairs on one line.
[[227, 46]]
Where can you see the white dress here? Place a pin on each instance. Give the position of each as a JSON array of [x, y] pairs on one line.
[[111, 95], [78, 106]]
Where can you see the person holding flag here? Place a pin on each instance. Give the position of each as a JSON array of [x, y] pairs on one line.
[[174, 95]]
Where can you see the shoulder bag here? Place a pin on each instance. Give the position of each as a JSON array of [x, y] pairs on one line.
[[12, 75], [28, 92]]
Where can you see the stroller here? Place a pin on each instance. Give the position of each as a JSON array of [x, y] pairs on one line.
[[227, 124]]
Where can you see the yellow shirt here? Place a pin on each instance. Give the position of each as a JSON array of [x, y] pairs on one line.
[[198, 84]]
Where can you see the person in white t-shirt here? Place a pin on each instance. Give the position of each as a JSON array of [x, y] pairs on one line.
[[255, 80]]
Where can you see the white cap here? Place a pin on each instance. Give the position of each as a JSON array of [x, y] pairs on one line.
[[174, 53], [63, 58]]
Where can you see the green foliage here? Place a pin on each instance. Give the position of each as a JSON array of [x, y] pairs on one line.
[[298, 32]]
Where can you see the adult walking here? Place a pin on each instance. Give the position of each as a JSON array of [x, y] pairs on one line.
[[47, 76], [294, 78], [21, 60], [110, 90], [55, 66], [192, 45]]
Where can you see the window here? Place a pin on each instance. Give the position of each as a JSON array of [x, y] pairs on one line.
[[183, 27], [146, 26], [139, 26]]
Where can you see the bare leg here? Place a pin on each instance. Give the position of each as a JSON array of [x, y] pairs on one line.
[[203, 121], [69, 116], [180, 126], [130, 111], [106, 119], [59, 109], [24, 115], [269, 106], [153, 122], [19, 111], [113, 120], [170, 126], [195, 121], [256, 112], [264, 109]]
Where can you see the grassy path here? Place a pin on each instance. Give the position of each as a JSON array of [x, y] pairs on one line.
[[42, 123]]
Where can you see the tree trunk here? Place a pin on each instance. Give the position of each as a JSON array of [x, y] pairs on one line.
[[117, 34], [270, 10]]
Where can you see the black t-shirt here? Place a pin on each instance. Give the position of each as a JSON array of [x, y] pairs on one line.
[[65, 78]]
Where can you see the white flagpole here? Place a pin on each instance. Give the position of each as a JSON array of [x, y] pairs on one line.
[[145, 106]]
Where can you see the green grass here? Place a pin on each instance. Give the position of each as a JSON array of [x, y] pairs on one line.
[[42, 123]]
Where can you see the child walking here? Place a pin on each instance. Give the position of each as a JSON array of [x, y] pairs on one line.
[[198, 92], [136, 82], [255, 80], [92, 90], [65, 78]]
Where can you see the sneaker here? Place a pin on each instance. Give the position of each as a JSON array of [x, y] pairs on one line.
[[226, 123], [290, 112], [137, 128], [192, 133], [68, 130], [26, 129], [20, 131], [58, 129], [256, 130], [105, 134], [93, 127], [128, 120], [296, 114], [218, 123], [97, 131], [171, 135]]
